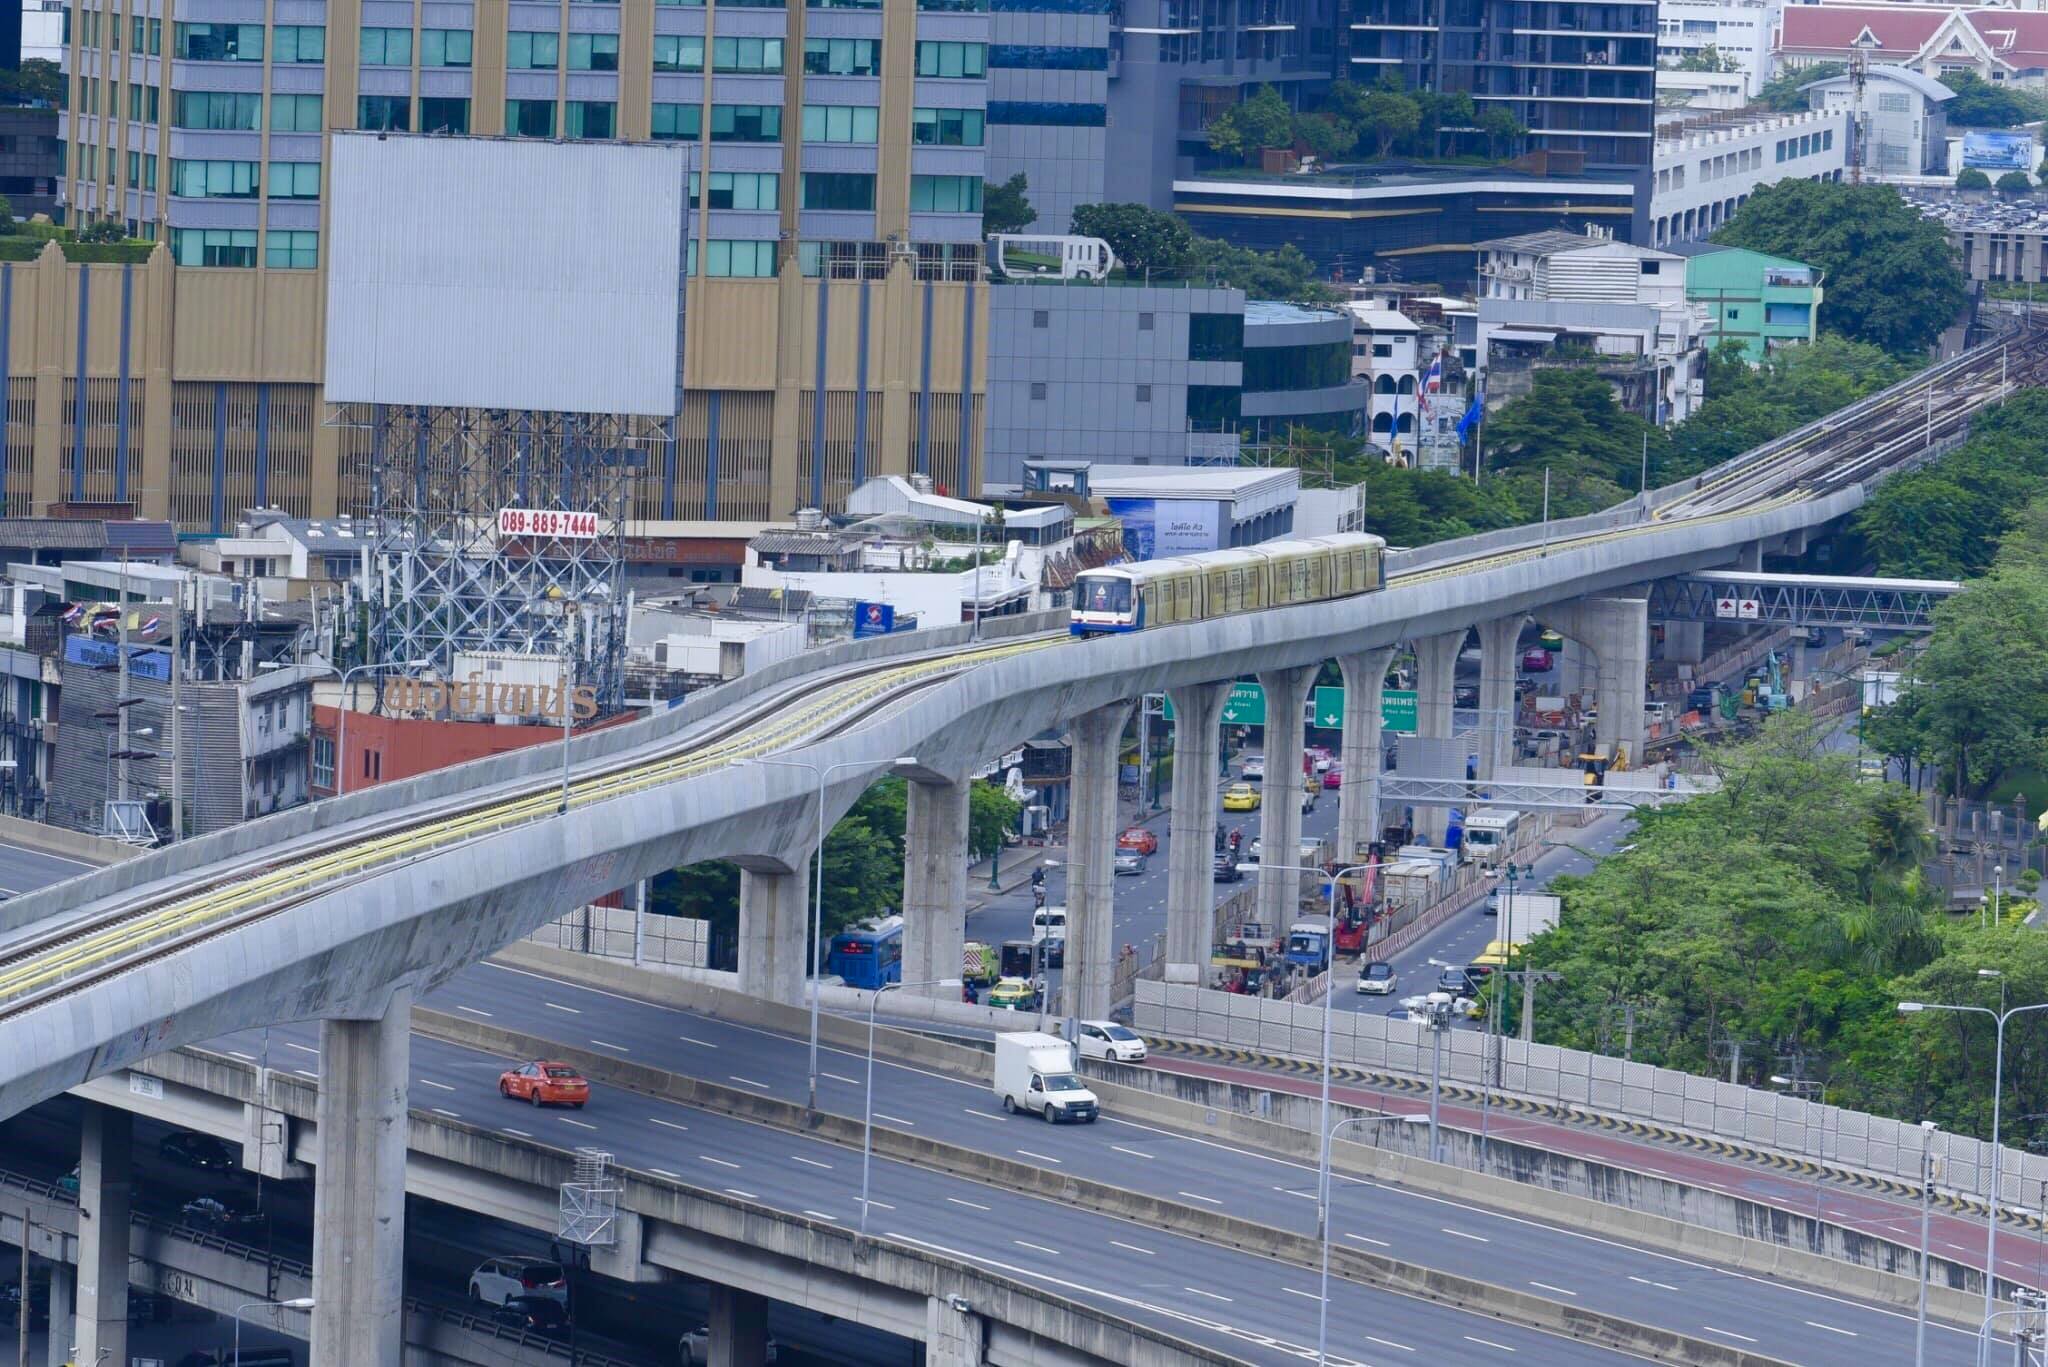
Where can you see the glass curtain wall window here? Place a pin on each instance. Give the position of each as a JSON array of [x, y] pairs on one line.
[[532, 51], [445, 46]]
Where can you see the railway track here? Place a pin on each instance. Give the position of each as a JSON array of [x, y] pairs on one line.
[[1889, 431]]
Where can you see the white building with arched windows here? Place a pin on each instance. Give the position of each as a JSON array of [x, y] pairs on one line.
[[1389, 353]]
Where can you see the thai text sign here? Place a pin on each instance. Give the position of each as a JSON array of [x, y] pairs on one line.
[[476, 698]]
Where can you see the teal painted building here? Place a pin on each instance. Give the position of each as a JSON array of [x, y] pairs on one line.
[[1760, 301]]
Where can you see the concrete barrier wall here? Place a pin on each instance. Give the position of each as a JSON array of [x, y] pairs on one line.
[[1572, 1082], [69, 844], [1302, 1250]]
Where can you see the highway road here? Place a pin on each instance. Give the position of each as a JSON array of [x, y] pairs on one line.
[[1230, 1299], [24, 870]]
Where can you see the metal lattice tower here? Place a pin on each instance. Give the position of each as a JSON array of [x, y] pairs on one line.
[[449, 583], [589, 1209]]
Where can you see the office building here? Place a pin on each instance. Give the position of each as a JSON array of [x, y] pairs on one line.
[[1048, 104], [1739, 32], [835, 307], [1707, 165]]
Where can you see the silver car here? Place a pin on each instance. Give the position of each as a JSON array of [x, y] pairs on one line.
[[1130, 862]]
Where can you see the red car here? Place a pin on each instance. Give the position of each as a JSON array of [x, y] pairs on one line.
[[1333, 777], [1536, 661], [545, 1084], [1139, 839]]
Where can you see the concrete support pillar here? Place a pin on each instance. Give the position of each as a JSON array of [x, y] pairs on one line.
[[1190, 872], [1497, 641], [1436, 677], [1280, 803], [359, 1190], [1091, 863], [105, 1177], [1358, 800], [1685, 642], [954, 1335], [934, 882], [1617, 632], [739, 1328], [775, 918], [63, 1333], [1749, 558]]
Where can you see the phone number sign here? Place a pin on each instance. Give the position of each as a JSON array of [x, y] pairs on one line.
[[548, 522]]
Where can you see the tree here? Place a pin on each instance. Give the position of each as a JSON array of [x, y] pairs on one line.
[[1261, 121], [2014, 183], [1892, 280], [1708, 58], [1943, 520], [1004, 209], [1389, 115], [1285, 274], [1569, 423], [7, 223], [1783, 94], [38, 80], [1970, 178], [1748, 405], [103, 230], [990, 814], [1501, 128], [1324, 136], [1980, 104], [1440, 110], [1146, 241]]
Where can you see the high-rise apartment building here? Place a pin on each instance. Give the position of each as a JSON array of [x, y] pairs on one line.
[[1048, 104], [838, 150], [1580, 76]]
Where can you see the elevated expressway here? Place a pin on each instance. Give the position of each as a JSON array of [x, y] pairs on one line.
[[345, 909]]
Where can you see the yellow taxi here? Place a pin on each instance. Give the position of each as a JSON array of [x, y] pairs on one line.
[[1240, 797], [1011, 994]]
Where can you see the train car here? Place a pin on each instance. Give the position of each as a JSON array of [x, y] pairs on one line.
[[1193, 588], [868, 956]]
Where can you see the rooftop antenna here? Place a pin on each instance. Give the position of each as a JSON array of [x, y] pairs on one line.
[[1859, 72]]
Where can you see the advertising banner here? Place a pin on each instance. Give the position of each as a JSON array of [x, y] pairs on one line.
[[1157, 528], [1995, 152], [873, 619]]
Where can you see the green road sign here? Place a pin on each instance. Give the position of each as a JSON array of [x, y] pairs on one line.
[[1397, 709], [1246, 706]]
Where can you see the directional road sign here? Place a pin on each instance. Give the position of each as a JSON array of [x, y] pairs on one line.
[[1397, 709], [1246, 706]]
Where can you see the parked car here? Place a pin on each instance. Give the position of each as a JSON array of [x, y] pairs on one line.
[[1254, 770], [1241, 797], [534, 1314], [497, 1280], [1333, 777], [1108, 1040], [201, 1151], [1376, 979], [545, 1083], [696, 1347], [1129, 862], [1138, 840]]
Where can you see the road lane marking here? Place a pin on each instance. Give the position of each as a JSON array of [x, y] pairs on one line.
[[1489, 1343], [1132, 1248], [429, 1082], [972, 1205], [811, 1162], [607, 1044], [1377, 1243], [743, 1195], [1210, 1294], [896, 1120], [1296, 1191], [1475, 1238], [1726, 1333], [1041, 1248], [1305, 1295], [557, 1006], [1661, 1286], [474, 1012], [705, 1157], [250, 1058], [880, 1205], [1135, 1153], [579, 1124], [521, 1133], [1546, 1286], [821, 1215], [1845, 1333], [305, 1073], [1043, 1157], [1208, 1200], [748, 1082], [985, 1115], [700, 1043], [452, 1115], [302, 1048], [1388, 1343], [664, 1172], [836, 1077], [666, 1124]]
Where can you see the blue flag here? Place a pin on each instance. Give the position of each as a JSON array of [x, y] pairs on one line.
[[1471, 416]]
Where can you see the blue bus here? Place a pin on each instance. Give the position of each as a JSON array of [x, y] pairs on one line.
[[868, 956]]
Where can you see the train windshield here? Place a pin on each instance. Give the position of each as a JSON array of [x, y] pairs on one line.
[[1103, 593]]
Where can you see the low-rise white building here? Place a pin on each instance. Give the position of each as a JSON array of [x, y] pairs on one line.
[[1740, 32], [1904, 128], [1707, 165]]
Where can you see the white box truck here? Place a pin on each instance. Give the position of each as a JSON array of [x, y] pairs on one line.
[[1035, 1072]]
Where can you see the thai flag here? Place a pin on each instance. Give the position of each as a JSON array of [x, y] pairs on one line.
[[1432, 383], [74, 612], [151, 625]]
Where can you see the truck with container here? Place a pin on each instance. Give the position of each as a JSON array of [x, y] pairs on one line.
[[1490, 835], [1411, 884], [1524, 915], [1035, 1072]]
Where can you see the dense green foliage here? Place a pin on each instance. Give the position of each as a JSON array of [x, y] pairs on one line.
[[1784, 912], [1749, 405], [1943, 520], [1782, 91], [1892, 280], [1570, 424], [36, 79], [1970, 178], [1980, 104], [1382, 119], [1155, 245], [2015, 183], [1005, 207], [863, 862]]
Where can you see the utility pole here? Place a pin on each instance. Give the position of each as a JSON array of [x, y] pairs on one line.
[[177, 667], [121, 685], [22, 1315]]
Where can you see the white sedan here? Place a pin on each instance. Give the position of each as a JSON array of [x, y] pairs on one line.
[[1254, 770], [1108, 1040]]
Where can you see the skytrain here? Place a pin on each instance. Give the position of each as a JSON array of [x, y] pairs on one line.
[[1193, 588]]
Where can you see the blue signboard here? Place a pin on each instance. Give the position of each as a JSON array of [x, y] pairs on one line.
[[1994, 152], [144, 662], [873, 619]]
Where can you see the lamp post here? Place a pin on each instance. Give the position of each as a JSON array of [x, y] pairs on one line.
[[818, 872], [295, 1303], [1927, 1128], [867, 1119], [1496, 1028], [1323, 1290], [1810, 1089], [1999, 1017], [1073, 1033]]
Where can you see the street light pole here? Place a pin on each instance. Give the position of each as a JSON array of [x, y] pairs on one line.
[[1997, 1148], [295, 1303], [867, 1120], [818, 898], [1927, 1128], [1323, 1290], [341, 729], [1809, 1087]]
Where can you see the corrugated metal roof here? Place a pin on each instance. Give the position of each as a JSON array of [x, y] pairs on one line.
[[141, 535], [778, 542], [52, 533]]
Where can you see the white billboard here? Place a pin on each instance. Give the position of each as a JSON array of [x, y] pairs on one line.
[[504, 273]]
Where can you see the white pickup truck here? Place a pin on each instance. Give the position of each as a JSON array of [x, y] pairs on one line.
[[1035, 1072]]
